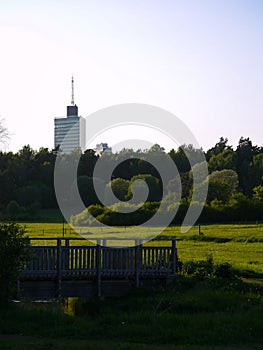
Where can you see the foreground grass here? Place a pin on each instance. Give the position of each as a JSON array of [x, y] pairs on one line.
[[30, 343], [40, 344], [188, 314]]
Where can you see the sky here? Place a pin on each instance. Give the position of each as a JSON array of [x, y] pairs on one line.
[[200, 60]]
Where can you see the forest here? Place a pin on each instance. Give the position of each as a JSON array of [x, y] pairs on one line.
[[235, 181]]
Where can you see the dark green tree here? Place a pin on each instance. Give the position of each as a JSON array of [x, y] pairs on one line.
[[87, 190], [13, 210], [245, 152], [223, 160], [154, 186], [14, 251], [119, 188], [222, 184], [258, 194], [87, 163], [218, 148]]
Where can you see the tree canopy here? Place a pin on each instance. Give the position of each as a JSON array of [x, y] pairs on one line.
[[27, 177]]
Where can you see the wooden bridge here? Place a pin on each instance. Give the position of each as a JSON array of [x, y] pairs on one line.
[[62, 269]]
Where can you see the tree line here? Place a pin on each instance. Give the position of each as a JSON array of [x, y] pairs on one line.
[[235, 182]]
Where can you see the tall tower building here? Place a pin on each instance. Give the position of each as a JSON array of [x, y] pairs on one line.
[[70, 131]]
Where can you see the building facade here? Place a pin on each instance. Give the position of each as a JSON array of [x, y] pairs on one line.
[[70, 131], [101, 148]]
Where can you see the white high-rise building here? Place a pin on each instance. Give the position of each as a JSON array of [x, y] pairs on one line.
[[70, 131]]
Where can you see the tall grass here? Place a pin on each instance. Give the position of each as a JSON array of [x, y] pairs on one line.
[[188, 314]]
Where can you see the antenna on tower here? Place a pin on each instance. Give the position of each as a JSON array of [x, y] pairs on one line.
[[72, 90]]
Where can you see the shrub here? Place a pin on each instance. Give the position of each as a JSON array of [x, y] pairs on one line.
[[200, 268], [14, 251], [95, 210], [200, 273], [224, 270]]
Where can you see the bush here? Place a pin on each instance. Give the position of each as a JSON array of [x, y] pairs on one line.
[[203, 269], [14, 251], [200, 268], [200, 273], [95, 210], [224, 270]]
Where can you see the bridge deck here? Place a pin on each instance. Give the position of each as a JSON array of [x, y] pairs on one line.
[[63, 269]]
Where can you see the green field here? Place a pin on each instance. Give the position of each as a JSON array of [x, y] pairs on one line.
[[189, 314], [239, 244], [211, 313]]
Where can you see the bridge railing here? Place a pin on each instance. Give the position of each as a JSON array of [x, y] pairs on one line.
[[65, 261]]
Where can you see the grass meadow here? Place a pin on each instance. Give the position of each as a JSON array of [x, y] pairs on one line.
[[211, 313], [241, 245], [188, 314]]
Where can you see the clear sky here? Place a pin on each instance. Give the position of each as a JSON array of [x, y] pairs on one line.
[[201, 60]]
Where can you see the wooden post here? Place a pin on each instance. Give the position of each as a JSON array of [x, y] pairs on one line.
[[59, 265], [199, 231], [174, 256], [67, 254], [63, 226], [138, 253], [98, 262]]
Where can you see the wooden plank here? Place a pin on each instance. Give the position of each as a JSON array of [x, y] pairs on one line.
[[98, 262], [83, 260], [173, 257], [80, 259], [93, 259], [72, 259], [137, 265], [59, 275]]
